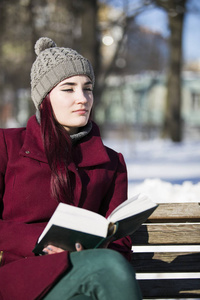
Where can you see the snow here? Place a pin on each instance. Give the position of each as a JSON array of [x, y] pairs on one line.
[[161, 169], [165, 192]]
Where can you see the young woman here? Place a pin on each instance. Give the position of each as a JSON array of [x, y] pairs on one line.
[[60, 157]]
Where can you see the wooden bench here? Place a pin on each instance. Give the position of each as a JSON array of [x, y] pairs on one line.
[[166, 252]]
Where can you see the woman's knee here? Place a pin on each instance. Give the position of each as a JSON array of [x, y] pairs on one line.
[[118, 263], [113, 263], [99, 266], [110, 257], [104, 261]]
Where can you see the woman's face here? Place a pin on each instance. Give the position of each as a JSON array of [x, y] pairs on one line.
[[71, 101]]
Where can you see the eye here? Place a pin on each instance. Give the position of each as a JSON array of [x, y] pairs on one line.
[[88, 89], [67, 90]]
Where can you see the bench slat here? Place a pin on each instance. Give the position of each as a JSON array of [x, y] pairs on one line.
[[170, 233], [176, 211], [166, 262], [170, 288]]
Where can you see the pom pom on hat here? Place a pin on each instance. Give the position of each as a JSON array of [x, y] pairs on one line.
[[44, 43], [54, 64]]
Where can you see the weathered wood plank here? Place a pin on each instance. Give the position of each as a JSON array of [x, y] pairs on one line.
[[177, 212], [182, 288], [171, 233], [166, 262]]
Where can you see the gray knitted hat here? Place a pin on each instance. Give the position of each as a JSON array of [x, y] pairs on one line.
[[54, 64]]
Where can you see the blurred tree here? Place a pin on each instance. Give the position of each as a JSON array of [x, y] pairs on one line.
[[86, 13], [121, 21], [86, 35], [142, 50], [176, 10], [173, 121], [15, 54], [116, 20], [2, 26], [134, 49]]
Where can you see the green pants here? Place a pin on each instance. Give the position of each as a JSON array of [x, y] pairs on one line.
[[98, 274]]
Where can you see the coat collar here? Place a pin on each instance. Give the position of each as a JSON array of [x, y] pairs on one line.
[[90, 150]]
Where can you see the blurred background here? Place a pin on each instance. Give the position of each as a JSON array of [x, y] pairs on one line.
[[146, 59]]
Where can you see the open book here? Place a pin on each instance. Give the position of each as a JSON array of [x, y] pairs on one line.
[[69, 225]]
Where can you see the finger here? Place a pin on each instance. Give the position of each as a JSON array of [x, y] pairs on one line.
[[50, 249], [78, 247]]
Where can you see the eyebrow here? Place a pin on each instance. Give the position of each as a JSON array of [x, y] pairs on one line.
[[73, 83]]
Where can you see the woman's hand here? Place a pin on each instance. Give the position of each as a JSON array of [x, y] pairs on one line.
[[50, 249]]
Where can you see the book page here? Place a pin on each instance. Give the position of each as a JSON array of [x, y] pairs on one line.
[[131, 207]]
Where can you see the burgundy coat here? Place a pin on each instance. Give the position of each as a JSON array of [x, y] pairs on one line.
[[100, 180]]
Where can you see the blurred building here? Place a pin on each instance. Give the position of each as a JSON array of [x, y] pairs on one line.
[[135, 104]]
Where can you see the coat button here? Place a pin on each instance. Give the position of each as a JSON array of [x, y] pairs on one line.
[[27, 152]]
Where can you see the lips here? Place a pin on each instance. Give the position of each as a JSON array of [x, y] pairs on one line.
[[81, 111]]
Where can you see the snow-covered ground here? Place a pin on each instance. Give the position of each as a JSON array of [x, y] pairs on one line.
[[165, 171]]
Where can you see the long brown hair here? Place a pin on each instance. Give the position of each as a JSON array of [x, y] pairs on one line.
[[57, 146]]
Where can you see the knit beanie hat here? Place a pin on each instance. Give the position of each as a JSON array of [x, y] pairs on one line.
[[54, 64]]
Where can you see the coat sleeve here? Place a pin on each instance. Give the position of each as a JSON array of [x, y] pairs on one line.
[[115, 196], [17, 239]]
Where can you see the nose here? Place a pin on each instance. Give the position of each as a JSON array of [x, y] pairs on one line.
[[81, 97]]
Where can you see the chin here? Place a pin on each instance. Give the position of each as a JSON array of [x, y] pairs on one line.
[[75, 123], [82, 123]]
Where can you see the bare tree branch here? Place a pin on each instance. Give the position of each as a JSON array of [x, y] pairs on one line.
[[127, 17]]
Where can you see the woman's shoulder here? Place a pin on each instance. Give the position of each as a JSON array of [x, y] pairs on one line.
[[17, 131], [116, 158], [9, 139], [12, 130], [11, 133], [111, 152]]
